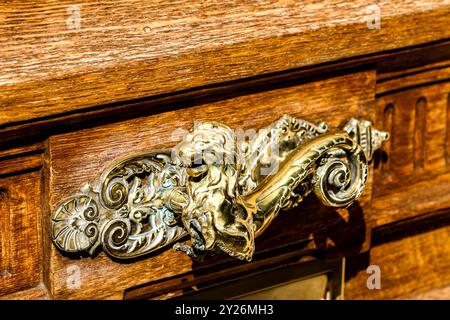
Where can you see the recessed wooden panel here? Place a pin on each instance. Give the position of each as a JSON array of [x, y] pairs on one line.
[[79, 157], [20, 232], [413, 177], [447, 135], [420, 130]]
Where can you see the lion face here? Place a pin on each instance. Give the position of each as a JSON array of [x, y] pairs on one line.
[[209, 156]]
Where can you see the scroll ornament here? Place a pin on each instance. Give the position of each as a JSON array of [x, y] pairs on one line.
[[219, 190]]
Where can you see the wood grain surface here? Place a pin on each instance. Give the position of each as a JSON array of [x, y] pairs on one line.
[[414, 176], [389, 64], [36, 293], [51, 64], [411, 263], [20, 232], [433, 294]]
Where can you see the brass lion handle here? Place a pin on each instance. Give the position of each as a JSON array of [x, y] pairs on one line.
[[215, 186]]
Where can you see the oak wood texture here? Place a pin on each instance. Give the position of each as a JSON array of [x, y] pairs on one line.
[[18, 151], [410, 265], [134, 49], [413, 77], [414, 176], [36, 293], [13, 165], [201, 279], [433, 294], [386, 63], [411, 183], [79, 157]]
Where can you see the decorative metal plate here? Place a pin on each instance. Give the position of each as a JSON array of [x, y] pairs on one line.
[[220, 190]]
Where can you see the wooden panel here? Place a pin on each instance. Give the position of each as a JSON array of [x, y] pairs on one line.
[[12, 165], [414, 174], [36, 293], [134, 49], [21, 150], [435, 294], [413, 77], [20, 232], [409, 266], [411, 200], [389, 64], [447, 133], [79, 157]]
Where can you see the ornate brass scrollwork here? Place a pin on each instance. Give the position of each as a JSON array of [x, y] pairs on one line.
[[220, 191]]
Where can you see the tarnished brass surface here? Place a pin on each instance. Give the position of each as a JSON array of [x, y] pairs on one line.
[[217, 187], [313, 288]]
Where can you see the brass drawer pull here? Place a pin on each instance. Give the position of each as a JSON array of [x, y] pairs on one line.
[[220, 191]]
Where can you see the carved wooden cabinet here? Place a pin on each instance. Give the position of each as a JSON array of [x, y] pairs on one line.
[[83, 86]]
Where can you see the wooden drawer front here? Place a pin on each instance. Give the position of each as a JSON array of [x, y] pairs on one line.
[[79, 157]]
